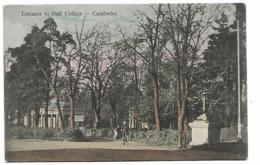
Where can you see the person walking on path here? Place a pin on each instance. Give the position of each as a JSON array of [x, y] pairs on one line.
[[116, 130], [125, 134]]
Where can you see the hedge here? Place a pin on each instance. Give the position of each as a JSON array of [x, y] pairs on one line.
[[164, 137], [44, 134]]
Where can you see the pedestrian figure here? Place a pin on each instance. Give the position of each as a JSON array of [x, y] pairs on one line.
[[116, 132], [125, 134]]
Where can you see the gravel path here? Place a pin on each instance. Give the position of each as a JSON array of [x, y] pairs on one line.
[[33, 144], [31, 150]]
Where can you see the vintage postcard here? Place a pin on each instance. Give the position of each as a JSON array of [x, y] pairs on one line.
[[133, 82]]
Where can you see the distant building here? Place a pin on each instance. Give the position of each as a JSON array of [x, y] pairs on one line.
[[53, 116]]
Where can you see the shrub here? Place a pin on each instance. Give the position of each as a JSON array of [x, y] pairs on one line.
[[89, 132], [44, 133], [102, 132], [164, 137], [19, 133], [70, 135], [107, 132]]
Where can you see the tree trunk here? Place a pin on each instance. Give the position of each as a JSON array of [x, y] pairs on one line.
[[183, 130], [136, 103], [186, 130], [182, 110], [94, 109], [37, 115], [54, 88], [59, 111], [114, 120], [156, 101], [114, 117], [47, 98], [97, 103], [136, 100], [72, 112], [96, 120], [180, 130]]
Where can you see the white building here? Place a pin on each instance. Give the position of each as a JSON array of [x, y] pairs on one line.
[[53, 116]]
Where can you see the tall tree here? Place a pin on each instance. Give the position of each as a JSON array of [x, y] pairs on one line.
[[132, 68], [115, 91], [26, 81], [50, 36], [72, 60], [186, 26], [221, 72], [134, 63], [100, 59], [150, 43]]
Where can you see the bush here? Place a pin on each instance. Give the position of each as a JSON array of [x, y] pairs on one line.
[[19, 133], [70, 135], [44, 133], [89, 132], [164, 137], [102, 132], [137, 135]]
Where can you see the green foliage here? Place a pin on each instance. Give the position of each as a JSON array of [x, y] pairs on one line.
[[44, 134], [19, 133], [102, 132], [220, 74], [137, 135], [70, 135], [153, 137], [165, 137], [25, 84], [31, 133]]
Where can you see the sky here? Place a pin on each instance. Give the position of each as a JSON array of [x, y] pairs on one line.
[[18, 19], [17, 24]]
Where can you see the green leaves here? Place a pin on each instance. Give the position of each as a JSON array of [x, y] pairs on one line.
[[220, 68]]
